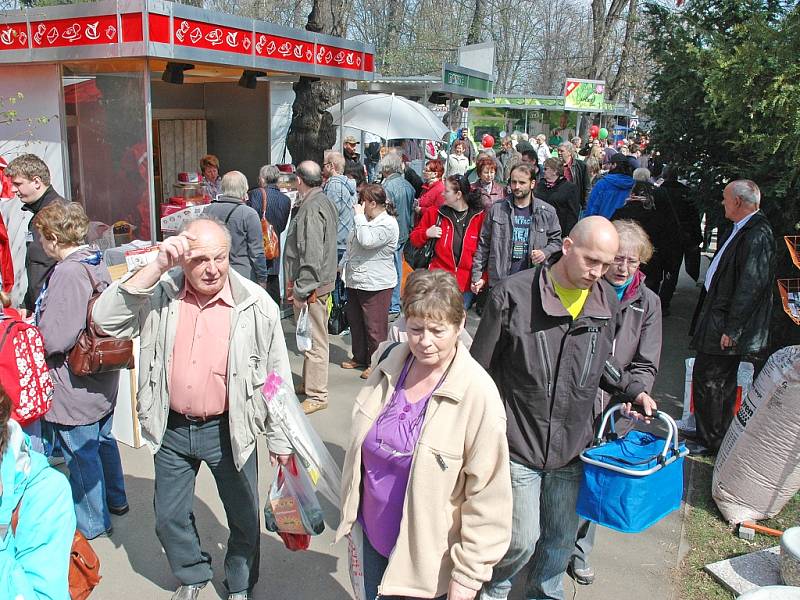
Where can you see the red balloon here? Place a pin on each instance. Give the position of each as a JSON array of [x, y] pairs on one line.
[[487, 141], [594, 131]]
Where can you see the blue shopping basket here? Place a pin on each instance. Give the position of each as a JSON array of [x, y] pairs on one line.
[[630, 483]]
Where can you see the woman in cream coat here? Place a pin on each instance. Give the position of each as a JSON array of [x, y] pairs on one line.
[[369, 274], [426, 475]]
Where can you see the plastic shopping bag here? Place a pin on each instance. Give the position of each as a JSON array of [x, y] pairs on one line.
[[303, 334], [292, 509], [355, 552], [310, 451]]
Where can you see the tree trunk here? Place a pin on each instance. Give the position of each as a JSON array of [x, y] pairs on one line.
[[312, 130], [627, 50], [476, 27], [602, 23]]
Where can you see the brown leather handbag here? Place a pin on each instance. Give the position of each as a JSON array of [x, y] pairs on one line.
[[272, 244], [84, 565], [95, 351]]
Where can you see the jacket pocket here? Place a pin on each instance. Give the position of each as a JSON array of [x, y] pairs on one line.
[[544, 354], [589, 360]]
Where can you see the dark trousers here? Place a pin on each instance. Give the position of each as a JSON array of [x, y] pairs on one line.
[[668, 285], [374, 567], [274, 288], [185, 446], [367, 314], [714, 394]]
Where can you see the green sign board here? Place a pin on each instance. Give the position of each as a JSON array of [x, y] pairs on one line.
[[585, 95], [466, 82]]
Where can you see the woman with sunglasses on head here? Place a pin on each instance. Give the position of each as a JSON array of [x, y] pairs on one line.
[[433, 188], [456, 227], [426, 474], [637, 351]]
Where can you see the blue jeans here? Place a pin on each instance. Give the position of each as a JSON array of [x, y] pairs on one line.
[[468, 298], [374, 567], [544, 524], [95, 473], [34, 431], [394, 307], [339, 290]]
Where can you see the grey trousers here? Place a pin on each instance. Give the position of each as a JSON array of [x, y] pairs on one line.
[[185, 446]]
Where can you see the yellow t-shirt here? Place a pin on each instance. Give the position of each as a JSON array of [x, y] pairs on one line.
[[573, 300]]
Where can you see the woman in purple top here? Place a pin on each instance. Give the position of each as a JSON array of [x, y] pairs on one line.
[[426, 474]]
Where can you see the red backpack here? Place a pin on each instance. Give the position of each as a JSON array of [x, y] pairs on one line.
[[23, 370]]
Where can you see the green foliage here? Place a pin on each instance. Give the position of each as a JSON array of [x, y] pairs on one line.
[[725, 97]]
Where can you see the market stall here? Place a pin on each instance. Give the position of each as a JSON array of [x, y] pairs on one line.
[[122, 99], [146, 88]]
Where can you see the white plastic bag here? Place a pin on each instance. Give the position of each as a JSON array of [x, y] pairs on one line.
[[355, 553], [303, 334], [313, 456]]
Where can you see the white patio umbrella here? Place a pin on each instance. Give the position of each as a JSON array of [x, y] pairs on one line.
[[390, 117]]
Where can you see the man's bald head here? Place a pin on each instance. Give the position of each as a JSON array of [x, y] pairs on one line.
[[588, 252], [206, 267], [591, 231]]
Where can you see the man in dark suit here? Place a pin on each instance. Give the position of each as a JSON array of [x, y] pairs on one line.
[[733, 313]]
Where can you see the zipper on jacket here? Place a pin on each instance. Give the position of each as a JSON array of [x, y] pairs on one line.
[[544, 351], [587, 363]]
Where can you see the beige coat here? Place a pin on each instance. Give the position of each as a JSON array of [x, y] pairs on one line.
[[256, 348], [456, 520]]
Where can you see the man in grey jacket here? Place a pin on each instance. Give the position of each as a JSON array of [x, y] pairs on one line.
[[309, 260], [209, 337], [247, 243], [517, 233]]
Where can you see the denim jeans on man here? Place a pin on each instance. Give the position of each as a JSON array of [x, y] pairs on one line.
[[374, 567], [95, 473], [394, 307], [543, 528], [185, 446]]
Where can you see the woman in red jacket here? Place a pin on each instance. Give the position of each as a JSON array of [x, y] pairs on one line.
[[433, 188], [456, 226]]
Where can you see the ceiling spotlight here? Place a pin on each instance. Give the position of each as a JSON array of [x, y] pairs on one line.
[[174, 72], [249, 79]]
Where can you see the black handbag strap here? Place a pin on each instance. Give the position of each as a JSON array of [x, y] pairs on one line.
[[230, 214], [386, 352]]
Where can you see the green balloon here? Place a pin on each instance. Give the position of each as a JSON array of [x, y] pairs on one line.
[[603, 134]]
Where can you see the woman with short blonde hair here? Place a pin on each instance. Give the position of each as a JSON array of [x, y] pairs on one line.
[[426, 473]]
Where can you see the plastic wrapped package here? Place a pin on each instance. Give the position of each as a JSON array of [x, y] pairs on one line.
[[757, 471]]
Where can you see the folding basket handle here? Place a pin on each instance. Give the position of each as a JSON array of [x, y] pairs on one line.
[[672, 429]]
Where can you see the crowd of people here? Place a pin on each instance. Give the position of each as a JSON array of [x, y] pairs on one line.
[[463, 464]]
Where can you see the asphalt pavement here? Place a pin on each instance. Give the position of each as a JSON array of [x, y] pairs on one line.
[[134, 566]]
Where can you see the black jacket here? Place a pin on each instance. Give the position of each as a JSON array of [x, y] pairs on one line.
[[580, 177], [565, 198], [414, 179], [739, 301], [548, 366], [660, 226], [37, 263]]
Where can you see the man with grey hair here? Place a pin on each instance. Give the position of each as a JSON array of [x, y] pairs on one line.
[[341, 191], [401, 194], [273, 205], [247, 245], [733, 314], [209, 338], [310, 262]]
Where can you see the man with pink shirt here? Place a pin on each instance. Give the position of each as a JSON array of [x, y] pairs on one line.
[[209, 337]]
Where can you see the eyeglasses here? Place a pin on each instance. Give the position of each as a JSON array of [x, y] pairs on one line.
[[621, 261]]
